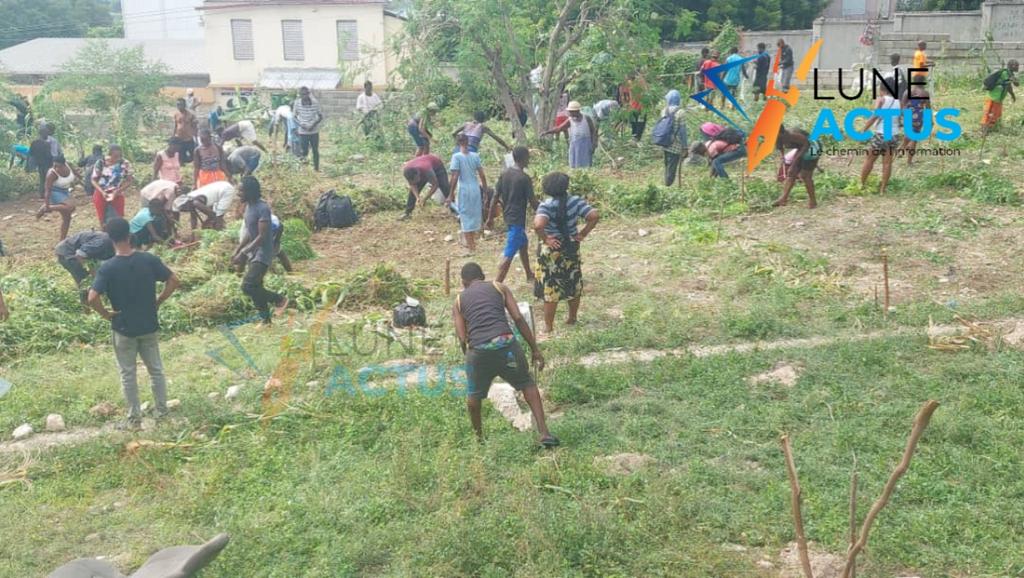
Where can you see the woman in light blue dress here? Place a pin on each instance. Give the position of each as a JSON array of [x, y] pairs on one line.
[[468, 172]]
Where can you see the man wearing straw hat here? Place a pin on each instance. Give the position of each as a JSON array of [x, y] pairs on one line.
[[582, 136]]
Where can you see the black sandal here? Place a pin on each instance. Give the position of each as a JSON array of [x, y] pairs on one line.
[[549, 441]]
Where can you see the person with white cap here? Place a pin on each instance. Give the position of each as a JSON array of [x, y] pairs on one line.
[[191, 100], [582, 136]]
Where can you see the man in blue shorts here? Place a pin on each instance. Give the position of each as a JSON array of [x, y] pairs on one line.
[[514, 192]]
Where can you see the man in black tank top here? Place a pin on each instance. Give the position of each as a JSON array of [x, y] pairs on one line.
[[491, 347]]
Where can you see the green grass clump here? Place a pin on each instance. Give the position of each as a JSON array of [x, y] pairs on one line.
[[295, 242]]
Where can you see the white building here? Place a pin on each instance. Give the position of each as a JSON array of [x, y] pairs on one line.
[[148, 20]]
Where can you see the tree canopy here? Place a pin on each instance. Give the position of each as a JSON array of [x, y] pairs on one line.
[[23, 21]]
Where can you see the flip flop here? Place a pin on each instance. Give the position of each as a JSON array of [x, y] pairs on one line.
[[550, 441]]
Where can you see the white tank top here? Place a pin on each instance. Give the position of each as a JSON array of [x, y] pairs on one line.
[[888, 103], [63, 182]]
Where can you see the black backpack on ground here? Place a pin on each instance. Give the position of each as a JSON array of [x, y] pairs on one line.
[[406, 315], [992, 80], [731, 136], [334, 212]]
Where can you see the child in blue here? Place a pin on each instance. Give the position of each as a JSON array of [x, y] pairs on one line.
[[468, 172]]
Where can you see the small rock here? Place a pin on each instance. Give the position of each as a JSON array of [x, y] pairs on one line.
[[448, 238], [233, 392], [766, 564], [92, 537], [213, 394], [54, 422], [799, 224], [118, 505], [173, 403], [145, 406], [357, 158], [643, 233], [313, 384], [103, 409], [22, 431], [734, 547], [274, 383]]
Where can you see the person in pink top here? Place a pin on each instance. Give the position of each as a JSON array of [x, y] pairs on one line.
[[167, 163]]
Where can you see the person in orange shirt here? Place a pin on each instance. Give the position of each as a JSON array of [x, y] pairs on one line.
[[708, 64], [921, 60]]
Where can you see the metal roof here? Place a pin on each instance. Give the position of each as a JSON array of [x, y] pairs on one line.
[[47, 56], [292, 78]]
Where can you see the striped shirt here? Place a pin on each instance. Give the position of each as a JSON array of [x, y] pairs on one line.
[[307, 115], [576, 209]]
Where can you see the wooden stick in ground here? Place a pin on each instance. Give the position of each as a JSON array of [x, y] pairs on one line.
[[798, 520], [924, 415], [885, 279], [853, 515], [448, 276]]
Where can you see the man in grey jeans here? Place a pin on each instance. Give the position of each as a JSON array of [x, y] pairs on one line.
[[129, 281]]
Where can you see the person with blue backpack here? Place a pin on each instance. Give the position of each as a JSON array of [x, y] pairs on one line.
[[670, 134]]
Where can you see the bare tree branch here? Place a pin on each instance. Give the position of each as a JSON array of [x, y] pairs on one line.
[[798, 520]]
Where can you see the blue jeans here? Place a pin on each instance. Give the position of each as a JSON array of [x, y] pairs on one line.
[[719, 162]]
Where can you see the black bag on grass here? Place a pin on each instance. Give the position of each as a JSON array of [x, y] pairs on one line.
[[409, 316], [334, 212]]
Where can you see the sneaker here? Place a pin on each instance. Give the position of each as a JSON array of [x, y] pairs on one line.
[[549, 442], [404, 217]]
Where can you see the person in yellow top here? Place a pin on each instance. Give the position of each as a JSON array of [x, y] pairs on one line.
[[921, 60]]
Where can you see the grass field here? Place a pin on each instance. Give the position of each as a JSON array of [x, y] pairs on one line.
[[385, 482]]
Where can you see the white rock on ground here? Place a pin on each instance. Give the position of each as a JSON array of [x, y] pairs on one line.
[[145, 406], [22, 431], [213, 394], [55, 422], [643, 233], [233, 392], [173, 403], [448, 238]]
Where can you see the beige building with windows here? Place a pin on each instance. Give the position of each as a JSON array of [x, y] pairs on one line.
[[284, 44]]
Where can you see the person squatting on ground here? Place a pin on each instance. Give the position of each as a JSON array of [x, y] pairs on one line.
[[129, 281], [514, 192], [556, 225], [799, 160], [259, 251], [481, 313], [467, 170]]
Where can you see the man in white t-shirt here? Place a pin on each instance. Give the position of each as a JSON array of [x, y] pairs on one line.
[[242, 132], [281, 122], [367, 104], [166, 191], [213, 201]]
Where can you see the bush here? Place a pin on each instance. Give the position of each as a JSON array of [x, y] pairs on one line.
[[295, 242], [16, 182]]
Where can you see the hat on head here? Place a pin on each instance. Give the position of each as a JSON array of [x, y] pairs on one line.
[[574, 106]]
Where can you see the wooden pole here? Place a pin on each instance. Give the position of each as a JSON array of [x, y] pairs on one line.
[[853, 515], [448, 277], [798, 521], [924, 415], [885, 279]]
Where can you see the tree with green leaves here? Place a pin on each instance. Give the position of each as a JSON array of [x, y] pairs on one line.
[[21, 21], [525, 53], [118, 86]]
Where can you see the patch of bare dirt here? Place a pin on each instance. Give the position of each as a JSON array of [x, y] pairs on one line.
[[824, 564], [783, 373], [47, 440], [623, 464]]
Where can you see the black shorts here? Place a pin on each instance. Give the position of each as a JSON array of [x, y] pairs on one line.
[[508, 363]]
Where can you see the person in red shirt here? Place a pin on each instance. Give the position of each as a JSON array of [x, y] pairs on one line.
[[418, 173], [710, 63], [635, 89]]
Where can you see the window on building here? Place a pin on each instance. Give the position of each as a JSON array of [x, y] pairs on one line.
[[241, 40], [291, 34], [348, 40]]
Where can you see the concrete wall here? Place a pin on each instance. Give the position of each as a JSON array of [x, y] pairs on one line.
[[857, 9], [842, 47], [799, 40], [320, 40], [162, 19], [960, 26], [1003, 19]]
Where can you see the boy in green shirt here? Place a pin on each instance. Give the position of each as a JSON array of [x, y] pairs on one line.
[[994, 103]]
